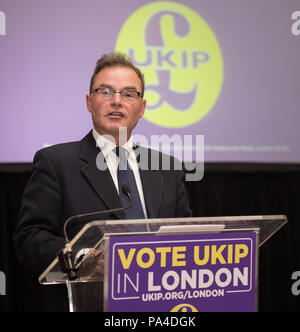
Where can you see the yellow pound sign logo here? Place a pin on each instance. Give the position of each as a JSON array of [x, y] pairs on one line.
[[180, 56], [184, 308]]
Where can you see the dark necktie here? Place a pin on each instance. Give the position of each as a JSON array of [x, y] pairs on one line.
[[126, 176]]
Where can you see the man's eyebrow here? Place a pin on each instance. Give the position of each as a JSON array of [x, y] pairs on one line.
[[103, 85]]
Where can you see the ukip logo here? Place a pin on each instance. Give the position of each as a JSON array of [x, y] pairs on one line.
[[184, 308], [181, 59]]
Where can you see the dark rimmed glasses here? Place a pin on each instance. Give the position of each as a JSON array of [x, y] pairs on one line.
[[129, 95]]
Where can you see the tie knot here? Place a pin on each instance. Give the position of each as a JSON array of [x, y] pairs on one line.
[[121, 153]]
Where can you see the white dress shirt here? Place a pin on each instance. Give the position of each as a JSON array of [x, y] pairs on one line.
[[112, 161]]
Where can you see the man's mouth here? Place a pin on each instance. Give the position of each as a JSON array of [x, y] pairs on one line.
[[117, 114]]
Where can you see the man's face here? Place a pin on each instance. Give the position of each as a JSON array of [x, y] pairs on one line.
[[111, 114]]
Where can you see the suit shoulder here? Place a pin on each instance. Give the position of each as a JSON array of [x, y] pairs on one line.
[[62, 148], [59, 152]]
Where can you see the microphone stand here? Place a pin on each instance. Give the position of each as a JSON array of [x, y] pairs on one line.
[[65, 259]]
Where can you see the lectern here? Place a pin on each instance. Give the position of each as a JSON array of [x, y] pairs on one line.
[[163, 265]]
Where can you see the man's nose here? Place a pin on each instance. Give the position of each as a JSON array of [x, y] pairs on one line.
[[116, 98]]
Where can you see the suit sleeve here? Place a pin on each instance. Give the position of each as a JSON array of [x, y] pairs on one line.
[[38, 236]]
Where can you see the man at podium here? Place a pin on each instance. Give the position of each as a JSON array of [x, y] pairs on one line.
[[90, 175]]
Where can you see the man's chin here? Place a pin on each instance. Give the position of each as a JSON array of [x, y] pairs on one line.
[[118, 134]]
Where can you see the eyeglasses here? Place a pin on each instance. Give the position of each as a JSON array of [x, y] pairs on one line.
[[126, 94]]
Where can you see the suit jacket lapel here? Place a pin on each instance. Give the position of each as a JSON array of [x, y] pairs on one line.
[[100, 180], [152, 182]]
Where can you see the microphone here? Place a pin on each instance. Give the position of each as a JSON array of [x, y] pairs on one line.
[[65, 259], [126, 190]]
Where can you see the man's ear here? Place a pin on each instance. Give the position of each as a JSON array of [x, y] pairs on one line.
[[89, 103], [143, 108]]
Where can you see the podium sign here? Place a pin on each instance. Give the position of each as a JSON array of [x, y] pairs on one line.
[[187, 272], [177, 264]]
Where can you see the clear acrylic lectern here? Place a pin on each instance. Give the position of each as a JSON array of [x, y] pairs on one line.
[[89, 255]]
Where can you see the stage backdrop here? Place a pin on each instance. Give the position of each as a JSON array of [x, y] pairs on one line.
[[228, 70]]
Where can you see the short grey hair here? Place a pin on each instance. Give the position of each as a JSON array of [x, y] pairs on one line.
[[115, 59]]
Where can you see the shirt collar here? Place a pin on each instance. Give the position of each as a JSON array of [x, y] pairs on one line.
[[107, 146]]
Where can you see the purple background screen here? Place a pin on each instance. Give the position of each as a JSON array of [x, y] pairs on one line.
[[48, 50]]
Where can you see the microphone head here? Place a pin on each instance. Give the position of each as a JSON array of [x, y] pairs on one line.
[[126, 190]]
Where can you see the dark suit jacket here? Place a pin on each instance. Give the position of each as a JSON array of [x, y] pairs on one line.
[[66, 182]]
